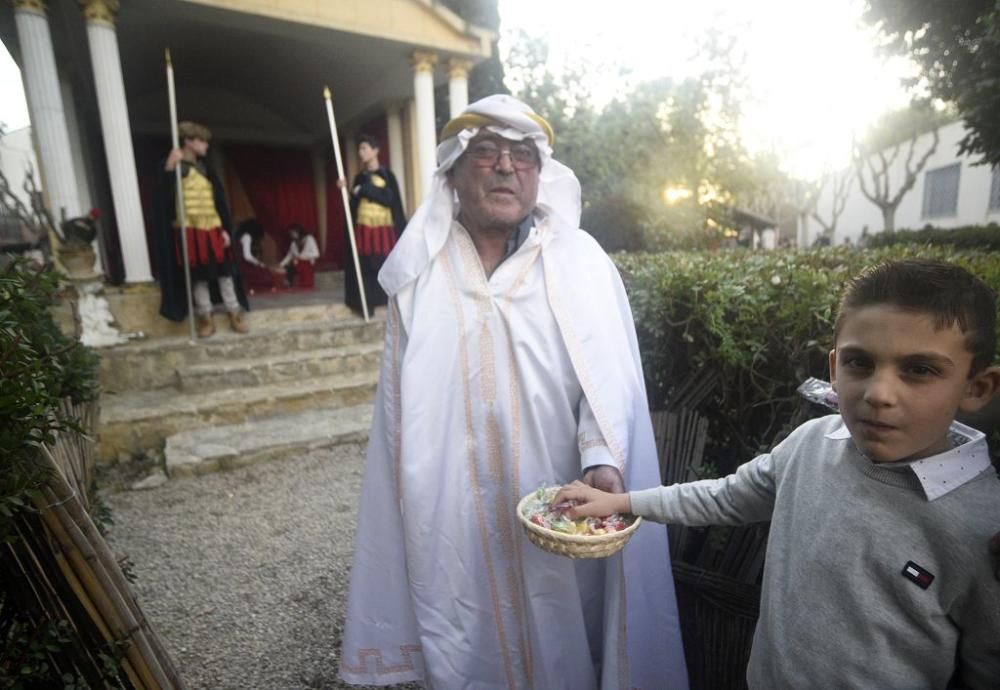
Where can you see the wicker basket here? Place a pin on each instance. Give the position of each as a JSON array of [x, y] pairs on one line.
[[575, 545]]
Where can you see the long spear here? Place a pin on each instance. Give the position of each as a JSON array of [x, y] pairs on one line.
[[181, 217], [343, 196]]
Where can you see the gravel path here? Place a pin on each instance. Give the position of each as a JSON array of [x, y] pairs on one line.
[[245, 573]]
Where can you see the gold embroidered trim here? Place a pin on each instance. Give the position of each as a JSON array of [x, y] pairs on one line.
[[593, 443], [494, 450], [517, 584], [407, 650], [470, 443]]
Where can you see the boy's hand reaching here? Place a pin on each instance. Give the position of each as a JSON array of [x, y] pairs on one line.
[[586, 501]]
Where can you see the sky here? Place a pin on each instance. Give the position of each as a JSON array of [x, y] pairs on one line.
[[813, 70], [13, 109]]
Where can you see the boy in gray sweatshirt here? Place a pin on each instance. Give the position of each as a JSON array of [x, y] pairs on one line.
[[878, 573]]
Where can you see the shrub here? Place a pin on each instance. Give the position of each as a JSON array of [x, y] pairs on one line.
[[972, 237], [39, 367], [764, 321]]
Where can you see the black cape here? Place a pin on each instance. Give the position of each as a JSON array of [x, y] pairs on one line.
[[370, 265], [173, 296]]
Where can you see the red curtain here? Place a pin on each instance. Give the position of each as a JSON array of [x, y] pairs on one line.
[[279, 184], [335, 255]]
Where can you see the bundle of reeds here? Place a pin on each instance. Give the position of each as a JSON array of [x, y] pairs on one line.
[[61, 568], [716, 569]]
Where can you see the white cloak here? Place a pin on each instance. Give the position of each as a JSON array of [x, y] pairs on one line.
[[484, 388]]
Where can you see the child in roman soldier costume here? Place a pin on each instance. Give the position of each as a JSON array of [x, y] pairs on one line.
[[210, 253], [378, 221]]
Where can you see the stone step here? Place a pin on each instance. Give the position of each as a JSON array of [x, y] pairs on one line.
[[293, 366], [137, 422], [152, 364], [227, 447]]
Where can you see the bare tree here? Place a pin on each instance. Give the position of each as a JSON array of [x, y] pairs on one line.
[[840, 187], [874, 156]]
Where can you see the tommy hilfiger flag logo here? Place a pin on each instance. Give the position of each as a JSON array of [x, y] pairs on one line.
[[921, 576]]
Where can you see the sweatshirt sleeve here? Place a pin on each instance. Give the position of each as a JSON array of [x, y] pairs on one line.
[[743, 497]]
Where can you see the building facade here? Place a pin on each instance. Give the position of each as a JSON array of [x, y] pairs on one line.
[[951, 191], [253, 71]]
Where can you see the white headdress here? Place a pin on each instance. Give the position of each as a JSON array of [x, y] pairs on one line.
[[427, 231]]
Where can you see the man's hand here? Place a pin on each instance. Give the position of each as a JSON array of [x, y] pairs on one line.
[[591, 502], [995, 550], [225, 239], [341, 183], [173, 158], [605, 478]]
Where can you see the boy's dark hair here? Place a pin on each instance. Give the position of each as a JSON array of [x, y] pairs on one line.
[[947, 292], [369, 139], [192, 130]]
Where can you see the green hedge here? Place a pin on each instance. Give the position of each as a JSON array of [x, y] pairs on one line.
[[764, 320], [972, 237], [39, 367]]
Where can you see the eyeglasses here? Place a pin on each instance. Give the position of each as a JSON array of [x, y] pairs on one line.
[[486, 154]]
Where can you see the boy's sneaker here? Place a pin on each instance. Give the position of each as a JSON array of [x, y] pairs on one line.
[[238, 322]]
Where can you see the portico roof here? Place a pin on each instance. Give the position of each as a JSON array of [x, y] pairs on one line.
[[255, 69]]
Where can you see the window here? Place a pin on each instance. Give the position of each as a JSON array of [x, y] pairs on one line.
[[995, 190], [941, 191]]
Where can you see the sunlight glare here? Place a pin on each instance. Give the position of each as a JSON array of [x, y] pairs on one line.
[[812, 70]]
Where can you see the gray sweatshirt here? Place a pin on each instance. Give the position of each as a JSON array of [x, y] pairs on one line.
[[867, 583]]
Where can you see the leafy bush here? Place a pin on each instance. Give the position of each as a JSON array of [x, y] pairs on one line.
[[39, 366], [972, 237], [764, 321]]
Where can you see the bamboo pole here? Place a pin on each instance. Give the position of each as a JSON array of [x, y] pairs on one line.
[[50, 605], [88, 537], [96, 582], [343, 195], [88, 604]]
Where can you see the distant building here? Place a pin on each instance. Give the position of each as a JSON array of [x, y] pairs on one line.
[[17, 158], [951, 191]]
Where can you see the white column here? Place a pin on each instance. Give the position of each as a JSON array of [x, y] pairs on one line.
[[415, 190], [458, 85], [397, 157], [45, 104], [117, 134], [423, 91]]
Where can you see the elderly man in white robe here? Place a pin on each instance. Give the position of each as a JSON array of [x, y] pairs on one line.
[[510, 363]]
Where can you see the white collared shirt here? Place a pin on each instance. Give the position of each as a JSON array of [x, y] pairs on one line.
[[944, 472]]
